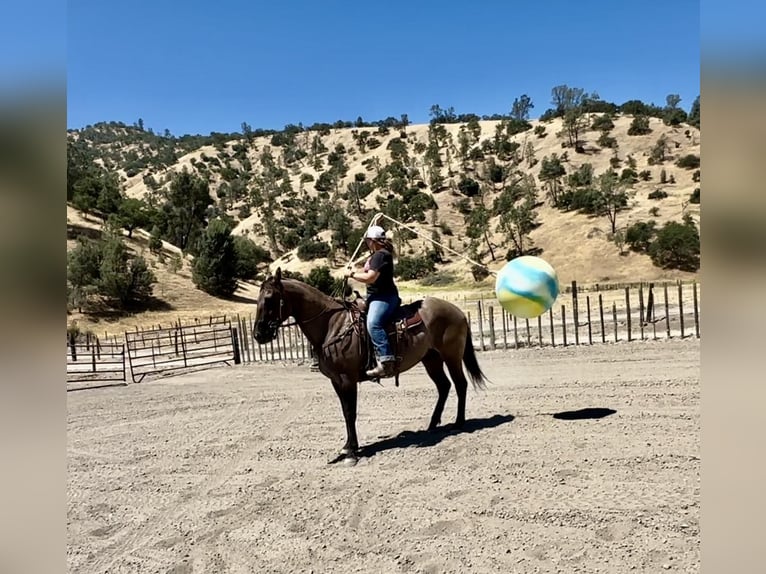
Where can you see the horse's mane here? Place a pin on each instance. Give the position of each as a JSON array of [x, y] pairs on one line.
[[313, 291]]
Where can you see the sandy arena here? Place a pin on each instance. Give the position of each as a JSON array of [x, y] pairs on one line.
[[226, 470]]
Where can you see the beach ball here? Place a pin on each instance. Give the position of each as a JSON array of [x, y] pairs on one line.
[[527, 286]]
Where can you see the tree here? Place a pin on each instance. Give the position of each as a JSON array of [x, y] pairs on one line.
[[551, 172], [612, 197], [672, 101], [516, 209], [639, 235], [520, 108], [215, 267], [83, 270], [123, 280], [694, 113], [249, 256], [677, 246], [184, 213], [132, 214]]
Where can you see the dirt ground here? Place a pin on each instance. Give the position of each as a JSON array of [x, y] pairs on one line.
[[226, 470]]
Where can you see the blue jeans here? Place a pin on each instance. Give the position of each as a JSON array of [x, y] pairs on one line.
[[379, 311]]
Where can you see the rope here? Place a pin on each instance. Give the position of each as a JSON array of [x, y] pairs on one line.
[[379, 215]]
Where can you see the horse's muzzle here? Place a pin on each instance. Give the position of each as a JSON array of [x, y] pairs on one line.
[[265, 333]]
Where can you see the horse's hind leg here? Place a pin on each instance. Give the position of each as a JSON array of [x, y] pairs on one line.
[[435, 368], [455, 368]]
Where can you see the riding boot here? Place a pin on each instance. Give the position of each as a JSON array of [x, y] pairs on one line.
[[382, 370]]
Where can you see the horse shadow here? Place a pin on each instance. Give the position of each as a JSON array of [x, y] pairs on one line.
[[427, 438]]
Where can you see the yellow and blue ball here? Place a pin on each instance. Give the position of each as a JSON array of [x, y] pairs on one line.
[[527, 287]]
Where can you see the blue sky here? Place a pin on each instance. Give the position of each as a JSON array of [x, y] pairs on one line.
[[197, 67]]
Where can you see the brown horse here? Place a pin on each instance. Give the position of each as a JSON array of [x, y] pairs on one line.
[[337, 336]]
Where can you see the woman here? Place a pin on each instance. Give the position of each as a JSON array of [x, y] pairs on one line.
[[382, 297]]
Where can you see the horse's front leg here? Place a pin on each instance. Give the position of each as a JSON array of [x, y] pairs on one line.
[[346, 389]]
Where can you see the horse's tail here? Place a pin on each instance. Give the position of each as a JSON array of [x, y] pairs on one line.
[[472, 364]]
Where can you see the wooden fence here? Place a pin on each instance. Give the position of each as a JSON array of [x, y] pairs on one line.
[[642, 312], [637, 312]]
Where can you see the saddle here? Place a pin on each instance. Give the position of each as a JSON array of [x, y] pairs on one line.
[[406, 318]]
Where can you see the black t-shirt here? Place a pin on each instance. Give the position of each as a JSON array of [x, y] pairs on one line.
[[383, 262]]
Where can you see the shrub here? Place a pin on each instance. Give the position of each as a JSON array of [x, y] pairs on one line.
[[654, 211], [695, 196], [313, 249], [639, 126], [677, 246], [479, 273], [215, 268], [607, 141], [645, 175], [628, 175], [658, 194], [689, 161], [696, 176], [539, 131], [602, 123], [409, 268], [249, 256], [639, 235], [468, 187]]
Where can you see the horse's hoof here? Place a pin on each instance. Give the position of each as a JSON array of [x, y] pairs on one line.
[[350, 460]]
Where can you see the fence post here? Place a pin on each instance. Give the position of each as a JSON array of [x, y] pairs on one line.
[[515, 332], [553, 334], [491, 316], [667, 310], [601, 313], [93, 358], [235, 345], [696, 313], [650, 304], [529, 335], [481, 326], [564, 323], [641, 309], [590, 330], [504, 317], [575, 313], [73, 347], [540, 330], [681, 307], [627, 308], [614, 317]]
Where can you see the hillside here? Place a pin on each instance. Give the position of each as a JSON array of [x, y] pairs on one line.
[[283, 188]]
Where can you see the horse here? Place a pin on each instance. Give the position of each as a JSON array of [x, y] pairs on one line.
[[432, 331]]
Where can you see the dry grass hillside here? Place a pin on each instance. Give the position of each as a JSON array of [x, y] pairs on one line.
[[580, 247]]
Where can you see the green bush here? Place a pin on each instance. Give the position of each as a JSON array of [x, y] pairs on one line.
[[313, 249], [602, 123], [645, 175], [214, 269], [639, 235], [695, 196], [658, 194], [607, 141], [249, 257], [677, 246], [409, 268], [539, 131], [629, 175], [639, 126], [689, 161], [468, 187]]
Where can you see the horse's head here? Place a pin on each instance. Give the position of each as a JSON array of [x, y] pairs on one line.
[[272, 309]]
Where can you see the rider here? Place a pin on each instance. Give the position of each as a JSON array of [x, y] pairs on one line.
[[382, 296]]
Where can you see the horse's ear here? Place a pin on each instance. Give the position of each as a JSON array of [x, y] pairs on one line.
[[278, 276]]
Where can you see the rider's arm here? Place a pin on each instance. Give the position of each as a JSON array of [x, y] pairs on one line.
[[366, 277]]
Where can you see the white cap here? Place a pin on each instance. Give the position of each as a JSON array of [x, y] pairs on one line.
[[376, 232]]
